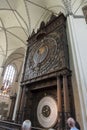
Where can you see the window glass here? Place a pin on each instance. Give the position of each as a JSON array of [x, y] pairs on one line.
[[8, 76]]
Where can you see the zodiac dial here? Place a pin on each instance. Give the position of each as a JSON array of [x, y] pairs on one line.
[[47, 112]]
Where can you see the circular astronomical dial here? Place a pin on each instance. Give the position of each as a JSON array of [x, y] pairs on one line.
[[47, 112]]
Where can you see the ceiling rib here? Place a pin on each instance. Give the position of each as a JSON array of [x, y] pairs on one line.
[[41, 7], [1, 9], [2, 49], [78, 7], [46, 14], [10, 62], [5, 35], [17, 18], [16, 27], [29, 30], [40, 19], [59, 6], [14, 35], [16, 53], [13, 10], [2, 52], [22, 20], [13, 49]]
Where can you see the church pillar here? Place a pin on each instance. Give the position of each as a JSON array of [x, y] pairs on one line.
[[2, 58], [71, 98], [77, 68], [59, 100], [66, 98], [1, 70], [19, 94], [19, 103], [25, 104], [20, 116], [13, 99]]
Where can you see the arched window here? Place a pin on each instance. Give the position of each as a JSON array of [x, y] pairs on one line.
[[9, 76]]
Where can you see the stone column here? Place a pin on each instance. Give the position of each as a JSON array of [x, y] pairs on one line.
[[59, 102], [13, 99], [71, 99], [79, 71], [17, 104], [25, 104], [20, 116], [1, 77], [20, 90], [2, 59], [66, 98]]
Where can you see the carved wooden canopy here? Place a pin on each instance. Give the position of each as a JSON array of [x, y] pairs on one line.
[[47, 51]]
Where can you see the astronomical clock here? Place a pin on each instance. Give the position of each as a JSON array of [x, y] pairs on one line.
[[46, 55], [46, 81]]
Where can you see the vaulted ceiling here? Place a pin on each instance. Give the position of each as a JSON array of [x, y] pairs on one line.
[[19, 17]]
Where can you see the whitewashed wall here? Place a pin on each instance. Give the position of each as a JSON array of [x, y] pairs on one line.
[[77, 32]]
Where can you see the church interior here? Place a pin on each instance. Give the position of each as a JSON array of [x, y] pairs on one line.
[[43, 63]]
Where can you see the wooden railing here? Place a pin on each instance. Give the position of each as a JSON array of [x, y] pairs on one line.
[[5, 125]]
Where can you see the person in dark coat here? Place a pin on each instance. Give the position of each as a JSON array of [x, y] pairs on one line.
[[77, 125], [72, 124]]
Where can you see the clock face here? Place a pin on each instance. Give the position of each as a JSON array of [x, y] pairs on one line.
[[44, 57], [40, 54], [47, 112]]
